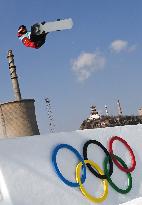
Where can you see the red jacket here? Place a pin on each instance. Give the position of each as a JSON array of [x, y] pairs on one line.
[[25, 38], [28, 43]]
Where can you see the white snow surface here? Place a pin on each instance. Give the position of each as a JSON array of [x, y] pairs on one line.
[[27, 176], [137, 201]]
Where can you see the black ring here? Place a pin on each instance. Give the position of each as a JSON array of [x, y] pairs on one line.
[[106, 152]]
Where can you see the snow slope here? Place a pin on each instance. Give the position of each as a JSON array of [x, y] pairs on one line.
[[137, 201], [27, 176]]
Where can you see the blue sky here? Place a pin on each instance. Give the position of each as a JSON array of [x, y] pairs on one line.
[[97, 62]]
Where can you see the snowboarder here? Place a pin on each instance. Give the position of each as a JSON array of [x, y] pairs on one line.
[[29, 39], [37, 36]]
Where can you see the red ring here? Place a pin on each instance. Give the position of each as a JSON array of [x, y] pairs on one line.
[[133, 161]]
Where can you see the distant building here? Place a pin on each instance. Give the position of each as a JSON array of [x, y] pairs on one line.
[[140, 111], [97, 121], [17, 118], [106, 110], [94, 114], [119, 108]]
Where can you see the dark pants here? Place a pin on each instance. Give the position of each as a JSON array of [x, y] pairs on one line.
[[38, 39]]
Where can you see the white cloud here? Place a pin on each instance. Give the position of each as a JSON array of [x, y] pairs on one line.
[[120, 45], [87, 63]]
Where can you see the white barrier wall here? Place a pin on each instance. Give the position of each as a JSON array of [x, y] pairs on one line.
[[27, 176]]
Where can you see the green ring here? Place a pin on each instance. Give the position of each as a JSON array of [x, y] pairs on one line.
[[110, 180]]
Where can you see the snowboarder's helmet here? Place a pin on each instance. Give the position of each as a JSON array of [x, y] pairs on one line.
[[22, 29]]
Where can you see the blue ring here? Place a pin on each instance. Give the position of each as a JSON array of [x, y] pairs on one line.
[[67, 182]]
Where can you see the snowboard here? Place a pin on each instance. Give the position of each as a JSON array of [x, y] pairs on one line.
[[45, 27]]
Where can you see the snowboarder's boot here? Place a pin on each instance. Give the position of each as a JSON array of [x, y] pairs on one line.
[[58, 20], [43, 22]]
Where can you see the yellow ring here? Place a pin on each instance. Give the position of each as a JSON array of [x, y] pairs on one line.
[[84, 192]]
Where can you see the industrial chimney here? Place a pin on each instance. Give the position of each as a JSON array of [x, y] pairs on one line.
[[119, 108], [17, 118], [14, 78]]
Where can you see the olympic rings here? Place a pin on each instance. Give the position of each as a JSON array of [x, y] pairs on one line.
[[85, 193], [110, 180], [129, 149], [60, 146], [106, 152], [95, 169]]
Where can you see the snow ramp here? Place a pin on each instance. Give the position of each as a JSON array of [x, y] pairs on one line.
[[28, 177]]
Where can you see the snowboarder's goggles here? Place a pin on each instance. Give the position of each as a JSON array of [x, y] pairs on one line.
[[95, 169], [20, 30]]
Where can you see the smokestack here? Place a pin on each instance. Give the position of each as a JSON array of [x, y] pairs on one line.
[[14, 77], [106, 110], [119, 108]]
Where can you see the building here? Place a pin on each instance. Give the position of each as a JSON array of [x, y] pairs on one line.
[[17, 118]]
